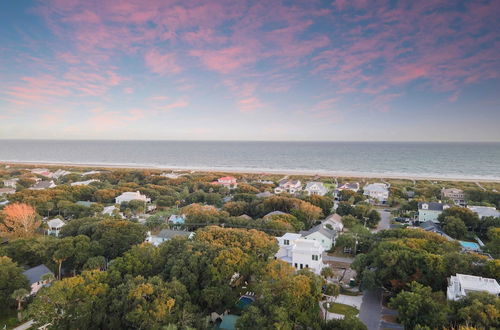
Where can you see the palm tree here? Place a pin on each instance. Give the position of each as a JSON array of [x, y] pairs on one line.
[[19, 295]]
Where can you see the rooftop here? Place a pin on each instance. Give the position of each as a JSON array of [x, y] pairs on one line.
[[35, 274]]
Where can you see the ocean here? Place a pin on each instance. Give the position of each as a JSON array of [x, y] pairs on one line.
[[383, 159]]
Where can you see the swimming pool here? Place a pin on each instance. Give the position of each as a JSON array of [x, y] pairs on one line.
[[470, 245], [244, 302]]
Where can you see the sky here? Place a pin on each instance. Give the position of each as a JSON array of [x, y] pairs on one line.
[[343, 70]]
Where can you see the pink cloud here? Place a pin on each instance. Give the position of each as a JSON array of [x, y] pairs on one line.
[[175, 105], [161, 63]]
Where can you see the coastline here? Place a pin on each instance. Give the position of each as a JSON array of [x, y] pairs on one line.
[[320, 173]]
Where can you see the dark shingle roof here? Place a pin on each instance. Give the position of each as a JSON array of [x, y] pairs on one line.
[[433, 206], [35, 274]]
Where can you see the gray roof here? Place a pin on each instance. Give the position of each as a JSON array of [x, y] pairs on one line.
[[43, 184], [169, 234], [270, 214], [433, 206], [330, 233], [264, 194], [35, 274]]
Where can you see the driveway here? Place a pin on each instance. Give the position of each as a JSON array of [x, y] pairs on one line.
[[354, 301], [371, 309], [385, 220], [326, 257]]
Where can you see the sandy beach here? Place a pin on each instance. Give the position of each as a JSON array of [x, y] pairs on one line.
[[338, 174]]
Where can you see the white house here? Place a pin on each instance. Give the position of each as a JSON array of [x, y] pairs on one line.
[[460, 285], [377, 191], [430, 211], [300, 253], [352, 186], [91, 173], [166, 235], [335, 221], [485, 211], [12, 183], [132, 196], [55, 226], [456, 195], [41, 185], [316, 188], [60, 173], [289, 186], [83, 183], [34, 276]]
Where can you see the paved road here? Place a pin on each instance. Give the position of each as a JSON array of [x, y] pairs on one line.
[[385, 220], [371, 309]]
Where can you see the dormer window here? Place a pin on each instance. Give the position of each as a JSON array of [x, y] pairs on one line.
[[315, 257], [425, 206], [286, 242]]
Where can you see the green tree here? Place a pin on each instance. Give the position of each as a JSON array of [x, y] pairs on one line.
[[11, 279], [347, 323], [454, 227], [20, 295], [477, 309], [419, 306], [118, 236], [349, 221], [469, 217]]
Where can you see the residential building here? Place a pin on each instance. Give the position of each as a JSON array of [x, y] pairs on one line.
[[172, 175], [460, 285], [60, 173], [54, 226], [91, 173], [322, 234], [264, 194], [177, 219], [83, 183], [270, 214], [43, 172], [166, 235], [316, 188], [485, 211], [228, 182], [429, 211], [12, 183], [434, 227], [112, 210], [289, 186], [377, 191], [132, 196], [454, 194], [335, 221], [300, 253], [352, 186], [6, 191], [34, 276], [41, 185]]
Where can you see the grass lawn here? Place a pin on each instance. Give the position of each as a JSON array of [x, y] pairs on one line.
[[9, 318], [349, 292], [342, 309]]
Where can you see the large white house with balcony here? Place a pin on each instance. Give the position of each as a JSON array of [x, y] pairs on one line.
[[377, 191], [132, 196], [300, 253], [460, 285], [316, 188]]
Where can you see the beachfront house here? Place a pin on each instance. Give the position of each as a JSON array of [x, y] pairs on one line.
[[166, 235], [300, 253], [316, 188], [42, 185], [132, 196], [35, 277], [54, 226], [323, 234], [377, 191], [289, 186], [454, 194], [43, 172], [460, 285], [430, 211], [60, 173], [352, 186], [228, 182], [485, 211]]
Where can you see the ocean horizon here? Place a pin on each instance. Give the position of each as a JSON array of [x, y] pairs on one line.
[[440, 160]]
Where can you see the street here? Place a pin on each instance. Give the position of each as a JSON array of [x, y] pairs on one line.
[[385, 220], [371, 309]]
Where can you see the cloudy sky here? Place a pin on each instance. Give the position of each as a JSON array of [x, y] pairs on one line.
[[250, 70]]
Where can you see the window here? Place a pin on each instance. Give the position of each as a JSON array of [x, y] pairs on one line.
[[301, 266], [295, 265], [307, 266], [315, 257], [287, 242]]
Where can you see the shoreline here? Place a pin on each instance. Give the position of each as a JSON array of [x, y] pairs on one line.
[[320, 173]]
